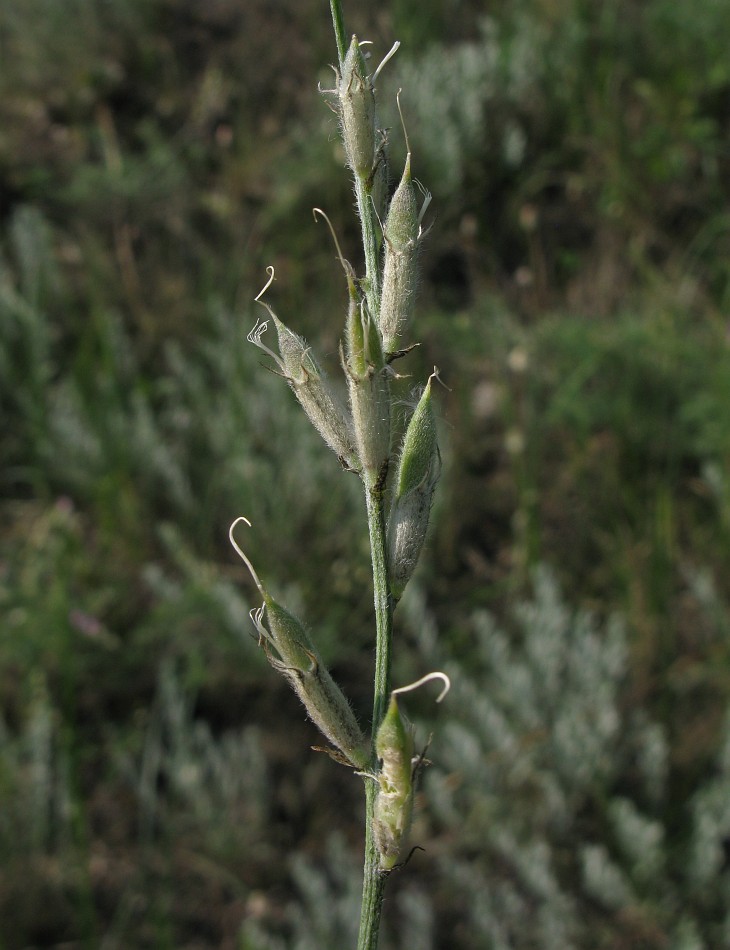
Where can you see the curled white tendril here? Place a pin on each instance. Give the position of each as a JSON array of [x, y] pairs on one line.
[[260, 327], [270, 271], [436, 675], [388, 56], [243, 557], [436, 374], [346, 266]]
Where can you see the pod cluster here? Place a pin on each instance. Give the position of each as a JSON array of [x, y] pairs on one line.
[[359, 428]]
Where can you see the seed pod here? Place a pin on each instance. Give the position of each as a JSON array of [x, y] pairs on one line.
[[310, 385], [357, 112], [420, 449], [396, 778], [369, 389], [394, 801], [401, 235], [290, 650], [419, 467]]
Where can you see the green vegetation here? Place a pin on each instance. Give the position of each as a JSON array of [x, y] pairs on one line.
[[156, 787]]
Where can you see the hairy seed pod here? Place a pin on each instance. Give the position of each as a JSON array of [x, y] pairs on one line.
[[322, 697], [419, 467], [369, 389], [290, 650], [394, 800], [357, 112], [310, 385], [398, 774], [401, 233]]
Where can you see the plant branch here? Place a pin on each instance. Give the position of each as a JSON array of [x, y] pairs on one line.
[[339, 24], [370, 245], [373, 886], [383, 604], [373, 877]]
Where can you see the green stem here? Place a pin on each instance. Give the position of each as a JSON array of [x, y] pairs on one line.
[[373, 887], [370, 245], [383, 604], [362, 188], [339, 24]]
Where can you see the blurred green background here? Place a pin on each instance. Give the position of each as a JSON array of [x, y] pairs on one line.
[[156, 784]]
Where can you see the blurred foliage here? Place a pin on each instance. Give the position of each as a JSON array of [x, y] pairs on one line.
[[156, 786]]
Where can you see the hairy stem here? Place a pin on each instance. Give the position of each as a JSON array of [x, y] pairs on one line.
[[373, 885], [362, 188], [370, 245], [383, 604], [373, 877], [338, 22]]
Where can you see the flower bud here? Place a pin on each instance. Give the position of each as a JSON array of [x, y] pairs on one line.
[[419, 467], [290, 650], [369, 389], [311, 387], [357, 112]]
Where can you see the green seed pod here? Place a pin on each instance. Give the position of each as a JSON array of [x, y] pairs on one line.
[[394, 746], [364, 346], [419, 467], [369, 389], [403, 221], [290, 650], [394, 801], [310, 385], [401, 233], [420, 448], [357, 112]]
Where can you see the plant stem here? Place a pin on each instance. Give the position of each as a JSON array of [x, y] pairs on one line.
[[362, 188], [339, 24], [370, 245], [383, 603], [373, 886]]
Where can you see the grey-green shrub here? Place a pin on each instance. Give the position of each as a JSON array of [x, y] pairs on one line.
[[560, 829], [546, 815]]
